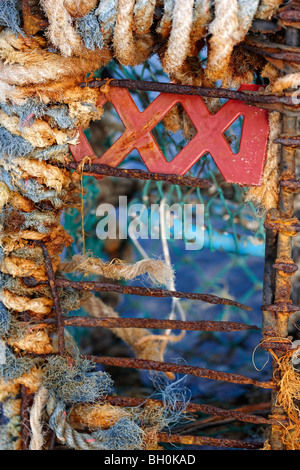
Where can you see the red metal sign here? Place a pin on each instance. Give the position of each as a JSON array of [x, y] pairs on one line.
[[244, 168]]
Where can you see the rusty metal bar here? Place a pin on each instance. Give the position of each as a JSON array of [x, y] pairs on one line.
[[106, 322], [283, 284], [276, 345], [289, 141], [264, 26], [142, 85], [106, 170], [269, 277], [179, 369], [208, 441], [26, 403], [194, 408], [56, 299], [287, 56], [52, 441], [286, 225], [285, 308], [148, 292], [143, 364], [291, 184], [288, 268], [290, 12], [279, 318]]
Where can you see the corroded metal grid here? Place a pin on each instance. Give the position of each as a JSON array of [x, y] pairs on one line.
[[222, 326]]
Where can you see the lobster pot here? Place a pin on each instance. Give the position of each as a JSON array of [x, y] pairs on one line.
[[148, 228]]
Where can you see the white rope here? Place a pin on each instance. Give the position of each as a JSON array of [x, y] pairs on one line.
[[178, 44], [175, 302], [123, 40], [143, 15], [232, 22], [39, 402], [61, 31], [164, 26]]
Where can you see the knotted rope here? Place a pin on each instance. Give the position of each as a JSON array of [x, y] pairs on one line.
[[124, 435]]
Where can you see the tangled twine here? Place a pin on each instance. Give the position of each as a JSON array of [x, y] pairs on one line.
[[288, 380], [69, 392], [158, 271], [68, 381], [124, 435]]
